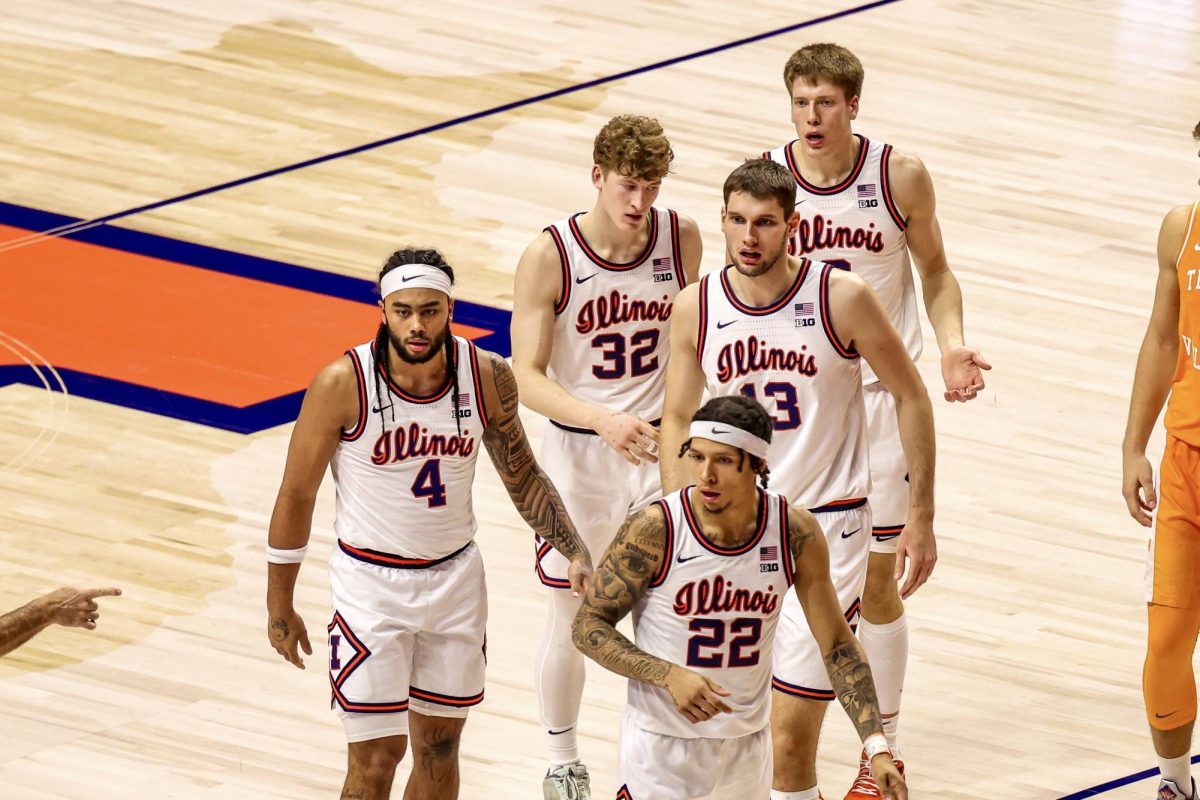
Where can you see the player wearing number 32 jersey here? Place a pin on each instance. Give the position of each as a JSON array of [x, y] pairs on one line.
[[592, 304], [401, 421], [705, 572]]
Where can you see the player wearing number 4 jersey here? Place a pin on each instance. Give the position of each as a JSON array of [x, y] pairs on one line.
[[705, 571], [400, 420], [593, 300], [789, 332], [864, 207]]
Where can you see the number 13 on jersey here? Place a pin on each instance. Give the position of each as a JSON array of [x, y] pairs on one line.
[[787, 407]]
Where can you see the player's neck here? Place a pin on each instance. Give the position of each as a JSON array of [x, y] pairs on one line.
[[611, 241], [829, 165], [732, 526], [763, 290], [419, 379]]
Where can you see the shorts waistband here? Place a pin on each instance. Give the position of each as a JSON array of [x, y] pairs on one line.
[[588, 431], [381, 559], [840, 505]]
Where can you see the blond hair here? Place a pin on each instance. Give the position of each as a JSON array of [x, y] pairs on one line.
[[830, 62], [633, 146]]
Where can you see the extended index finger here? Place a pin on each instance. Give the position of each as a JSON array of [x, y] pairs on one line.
[[108, 591]]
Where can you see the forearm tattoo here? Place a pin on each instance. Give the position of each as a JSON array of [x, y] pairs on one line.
[[19, 626], [529, 487], [851, 679], [632, 561]]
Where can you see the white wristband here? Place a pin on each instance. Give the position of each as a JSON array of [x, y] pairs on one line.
[[875, 744], [277, 556]]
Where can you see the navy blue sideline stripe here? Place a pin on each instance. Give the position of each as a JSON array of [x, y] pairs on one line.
[[280, 273], [500, 109], [1117, 783]]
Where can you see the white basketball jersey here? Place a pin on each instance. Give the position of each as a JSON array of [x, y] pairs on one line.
[[404, 472], [611, 327], [856, 225], [714, 610], [787, 357]]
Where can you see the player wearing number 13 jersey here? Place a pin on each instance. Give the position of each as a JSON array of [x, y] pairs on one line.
[[401, 420], [705, 572], [594, 296]]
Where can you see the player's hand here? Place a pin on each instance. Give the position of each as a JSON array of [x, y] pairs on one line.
[[579, 573], [634, 439], [962, 370], [286, 630], [918, 546], [696, 697], [76, 608], [1137, 484], [888, 778]]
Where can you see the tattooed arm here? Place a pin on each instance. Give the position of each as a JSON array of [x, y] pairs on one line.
[[529, 487], [70, 608], [632, 561]]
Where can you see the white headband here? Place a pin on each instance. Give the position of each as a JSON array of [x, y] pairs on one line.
[[414, 276], [727, 434]]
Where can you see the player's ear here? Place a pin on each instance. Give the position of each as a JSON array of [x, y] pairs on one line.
[[793, 224], [382, 312], [450, 309], [853, 107], [597, 175]]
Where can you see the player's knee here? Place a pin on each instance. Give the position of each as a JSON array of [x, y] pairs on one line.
[[376, 759], [439, 744], [881, 596]]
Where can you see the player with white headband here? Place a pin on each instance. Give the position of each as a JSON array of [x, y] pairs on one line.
[[400, 420], [705, 571]]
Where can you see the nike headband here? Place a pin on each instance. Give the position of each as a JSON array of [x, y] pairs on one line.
[[727, 434], [414, 276]]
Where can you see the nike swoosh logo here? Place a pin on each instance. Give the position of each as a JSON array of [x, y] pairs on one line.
[[586, 279], [718, 431], [559, 733], [409, 278], [1198, 251], [377, 409], [1164, 716], [851, 533], [725, 324], [798, 202], [682, 560]]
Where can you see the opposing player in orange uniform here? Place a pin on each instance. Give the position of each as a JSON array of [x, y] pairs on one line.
[[1169, 361]]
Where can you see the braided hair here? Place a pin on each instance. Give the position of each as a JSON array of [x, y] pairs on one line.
[[738, 411], [431, 258]]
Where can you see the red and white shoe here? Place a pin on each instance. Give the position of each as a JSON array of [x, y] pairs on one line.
[[864, 787]]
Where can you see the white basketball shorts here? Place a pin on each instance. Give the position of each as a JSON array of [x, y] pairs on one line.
[[799, 668], [405, 638], [889, 469], [653, 766], [599, 489]]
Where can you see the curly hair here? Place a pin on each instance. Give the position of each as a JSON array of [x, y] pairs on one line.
[[633, 146], [830, 62], [738, 411]]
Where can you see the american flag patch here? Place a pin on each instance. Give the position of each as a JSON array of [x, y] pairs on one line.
[[768, 553], [866, 190], [662, 264], [804, 309], [463, 399]]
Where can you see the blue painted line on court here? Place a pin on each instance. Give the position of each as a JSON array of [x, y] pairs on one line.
[[488, 112], [1116, 783]]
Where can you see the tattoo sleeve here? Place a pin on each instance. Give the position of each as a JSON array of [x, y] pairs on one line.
[[798, 537], [624, 574], [851, 679], [18, 627], [529, 487]]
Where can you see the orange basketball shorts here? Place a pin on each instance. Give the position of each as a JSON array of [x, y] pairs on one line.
[[1173, 567]]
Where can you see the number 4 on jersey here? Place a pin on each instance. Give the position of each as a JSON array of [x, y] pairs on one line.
[[429, 483]]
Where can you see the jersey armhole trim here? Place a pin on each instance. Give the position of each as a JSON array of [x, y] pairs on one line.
[[359, 379], [564, 294], [677, 250], [1187, 235], [669, 550], [478, 383], [702, 328], [785, 540], [888, 200], [847, 352]]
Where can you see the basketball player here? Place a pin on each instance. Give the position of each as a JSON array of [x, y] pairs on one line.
[[71, 608], [790, 333], [593, 301], [705, 570], [864, 207], [400, 420], [1169, 362]]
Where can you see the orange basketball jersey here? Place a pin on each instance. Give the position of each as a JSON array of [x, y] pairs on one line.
[[1183, 410]]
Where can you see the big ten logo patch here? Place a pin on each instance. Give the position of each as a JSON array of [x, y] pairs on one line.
[[663, 271]]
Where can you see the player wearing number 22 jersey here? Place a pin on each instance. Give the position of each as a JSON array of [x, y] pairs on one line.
[[401, 421], [594, 297], [705, 572]]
